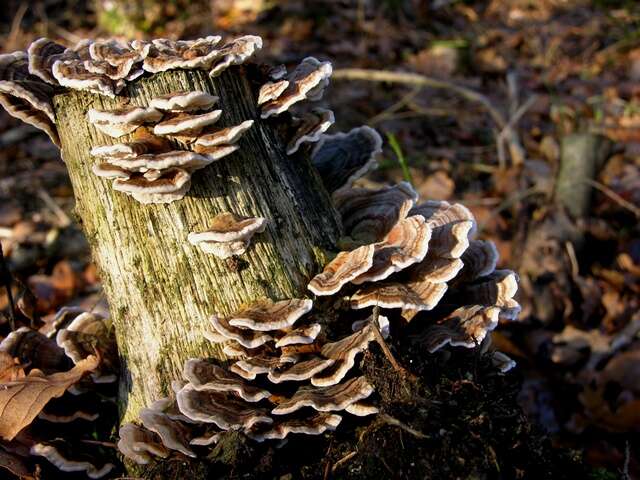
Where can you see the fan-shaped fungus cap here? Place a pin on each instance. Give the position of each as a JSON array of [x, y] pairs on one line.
[[312, 425], [186, 123], [114, 52], [229, 234], [225, 136], [184, 159], [235, 52], [107, 170], [119, 122], [225, 410], [43, 53], [299, 371], [264, 362], [502, 362], [186, 101], [163, 54], [497, 289], [383, 325], [329, 399], [464, 327], [22, 110], [344, 352], [138, 444], [480, 259], [171, 185], [310, 74], [56, 457], [452, 225], [395, 295], [361, 409], [204, 375], [341, 270], [342, 158], [174, 435], [310, 128], [15, 80], [266, 315], [300, 336], [272, 90], [246, 338], [405, 245], [73, 74], [369, 215]]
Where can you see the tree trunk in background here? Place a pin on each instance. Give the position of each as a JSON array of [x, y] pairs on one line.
[[161, 289]]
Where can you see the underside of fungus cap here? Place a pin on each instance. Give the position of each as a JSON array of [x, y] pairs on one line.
[[369, 215], [171, 185], [315, 424], [342, 270], [266, 315], [184, 159], [329, 399], [235, 52], [24, 111], [119, 122], [205, 375], [342, 158], [229, 227], [246, 338], [174, 435], [61, 456], [226, 411], [310, 127], [139, 444], [184, 101], [311, 73], [186, 123], [224, 136], [465, 327]]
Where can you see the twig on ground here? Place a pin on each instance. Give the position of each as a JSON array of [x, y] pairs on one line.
[[63, 218], [507, 133], [383, 345], [397, 423], [343, 460], [614, 196], [6, 279]]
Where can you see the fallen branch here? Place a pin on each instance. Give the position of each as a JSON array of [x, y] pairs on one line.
[[505, 127]]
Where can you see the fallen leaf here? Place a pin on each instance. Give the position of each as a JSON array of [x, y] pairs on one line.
[[15, 465], [10, 369], [21, 401]]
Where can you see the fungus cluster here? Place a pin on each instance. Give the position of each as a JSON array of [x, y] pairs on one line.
[[285, 377], [417, 262], [74, 337]]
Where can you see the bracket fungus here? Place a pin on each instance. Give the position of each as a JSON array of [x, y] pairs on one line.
[[228, 235], [295, 366]]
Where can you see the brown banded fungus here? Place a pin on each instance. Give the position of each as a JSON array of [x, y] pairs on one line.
[[229, 234]]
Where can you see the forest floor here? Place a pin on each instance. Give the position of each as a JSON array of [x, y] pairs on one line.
[[544, 71]]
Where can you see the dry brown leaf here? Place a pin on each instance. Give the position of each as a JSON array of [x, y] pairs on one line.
[[21, 401], [10, 369]]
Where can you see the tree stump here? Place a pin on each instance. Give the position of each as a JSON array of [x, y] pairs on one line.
[[160, 288]]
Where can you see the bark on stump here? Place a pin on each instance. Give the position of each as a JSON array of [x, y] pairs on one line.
[[161, 289]]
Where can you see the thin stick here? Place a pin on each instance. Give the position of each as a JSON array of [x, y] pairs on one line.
[[343, 460], [5, 277], [423, 81], [397, 423], [614, 196], [385, 348]]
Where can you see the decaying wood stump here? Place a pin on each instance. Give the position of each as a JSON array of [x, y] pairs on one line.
[[160, 288]]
